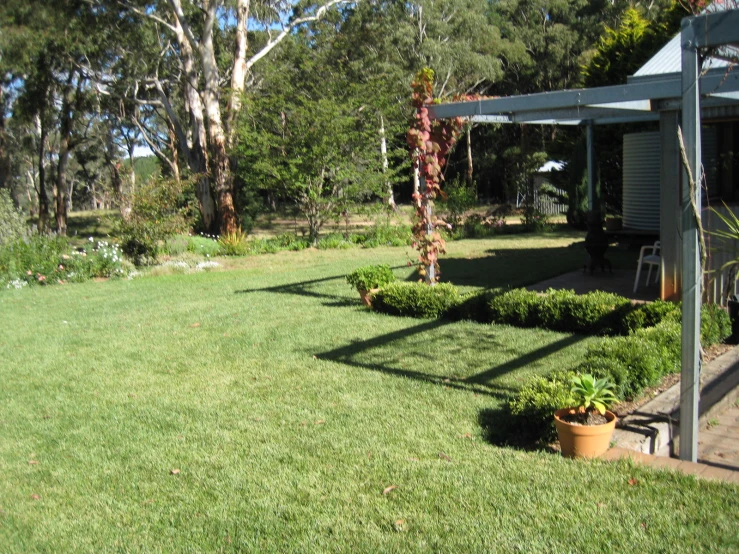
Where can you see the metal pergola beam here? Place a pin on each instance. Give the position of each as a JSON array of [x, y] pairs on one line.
[[711, 29], [578, 105]]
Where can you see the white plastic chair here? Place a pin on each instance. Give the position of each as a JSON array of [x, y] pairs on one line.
[[650, 259]]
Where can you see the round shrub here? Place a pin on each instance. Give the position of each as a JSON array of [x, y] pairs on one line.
[[596, 313], [534, 405], [554, 309], [516, 307], [637, 361], [650, 314], [715, 324], [474, 306], [371, 277], [416, 299]]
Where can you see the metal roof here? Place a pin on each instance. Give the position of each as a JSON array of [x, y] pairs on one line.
[[668, 60]]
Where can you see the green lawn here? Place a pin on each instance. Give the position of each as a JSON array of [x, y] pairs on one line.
[[286, 410]]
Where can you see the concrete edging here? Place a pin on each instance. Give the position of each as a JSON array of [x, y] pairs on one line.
[[655, 427]]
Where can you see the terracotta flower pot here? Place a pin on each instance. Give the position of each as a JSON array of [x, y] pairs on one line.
[[366, 297], [584, 441], [613, 224]]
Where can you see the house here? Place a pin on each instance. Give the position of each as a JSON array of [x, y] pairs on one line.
[[654, 93], [696, 93]]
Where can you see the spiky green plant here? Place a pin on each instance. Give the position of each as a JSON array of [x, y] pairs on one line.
[[588, 393]]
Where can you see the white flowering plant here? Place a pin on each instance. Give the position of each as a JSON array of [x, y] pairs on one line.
[[98, 258]]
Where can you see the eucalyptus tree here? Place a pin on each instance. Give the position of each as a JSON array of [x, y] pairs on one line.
[[190, 69], [48, 47]]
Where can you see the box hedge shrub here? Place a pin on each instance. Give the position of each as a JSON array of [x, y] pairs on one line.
[[474, 306], [650, 314], [532, 408], [715, 324], [637, 361], [518, 307], [595, 313], [416, 299]]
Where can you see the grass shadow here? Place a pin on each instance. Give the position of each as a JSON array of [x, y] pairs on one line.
[[527, 359], [500, 428], [368, 354], [521, 267], [356, 353], [307, 288]]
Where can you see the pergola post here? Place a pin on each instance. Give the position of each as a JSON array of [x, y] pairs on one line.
[[691, 267], [591, 168]]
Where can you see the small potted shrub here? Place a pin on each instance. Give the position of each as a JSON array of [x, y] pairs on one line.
[[369, 279], [614, 223], [585, 428]]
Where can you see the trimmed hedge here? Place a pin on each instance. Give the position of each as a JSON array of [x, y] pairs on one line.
[[633, 363], [416, 299], [645, 349], [594, 313], [637, 361]]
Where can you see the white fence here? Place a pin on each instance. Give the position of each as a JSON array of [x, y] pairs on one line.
[[544, 203]]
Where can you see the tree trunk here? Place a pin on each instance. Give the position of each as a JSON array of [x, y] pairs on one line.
[[470, 181], [390, 200], [220, 164], [238, 70], [43, 197], [131, 159], [61, 185], [416, 180], [4, 161], [197, 154], [65, 137]]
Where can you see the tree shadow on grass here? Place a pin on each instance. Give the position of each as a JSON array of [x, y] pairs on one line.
[[513, 267]]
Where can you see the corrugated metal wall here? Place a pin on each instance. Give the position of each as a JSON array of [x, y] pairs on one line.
[[641, 177]]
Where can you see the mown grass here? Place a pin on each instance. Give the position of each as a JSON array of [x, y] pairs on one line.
[[287, 410]]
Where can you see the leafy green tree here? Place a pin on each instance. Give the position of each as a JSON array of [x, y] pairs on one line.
[[186, 75], [49, 54], [307, 138]]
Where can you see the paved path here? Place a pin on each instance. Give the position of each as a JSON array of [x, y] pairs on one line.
[[718, 440], [702, 470], [620, 281], [718, 451]]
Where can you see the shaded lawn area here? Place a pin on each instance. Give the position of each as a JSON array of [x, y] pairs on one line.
[[288, 409]]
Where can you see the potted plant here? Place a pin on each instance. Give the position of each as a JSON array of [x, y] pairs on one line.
[[728, 238], [585, 428], [369, 279], [614, 223]]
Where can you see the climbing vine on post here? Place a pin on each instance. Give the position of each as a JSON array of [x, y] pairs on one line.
[[430, 142]]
